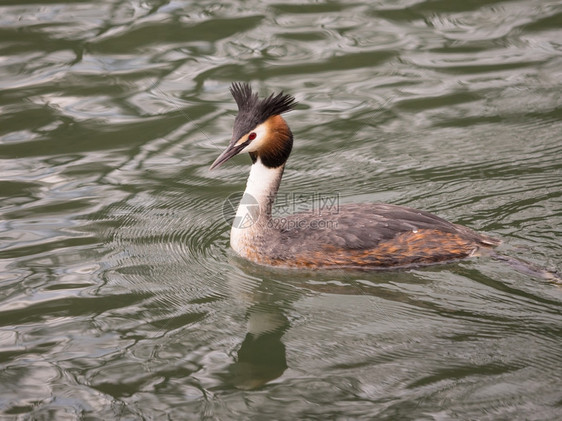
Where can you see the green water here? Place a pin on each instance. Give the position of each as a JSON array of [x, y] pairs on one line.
[[119, 296]]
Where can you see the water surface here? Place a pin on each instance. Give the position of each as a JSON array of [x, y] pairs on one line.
[[119, 296]]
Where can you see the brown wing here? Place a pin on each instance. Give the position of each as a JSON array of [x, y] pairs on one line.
[[369, 235]]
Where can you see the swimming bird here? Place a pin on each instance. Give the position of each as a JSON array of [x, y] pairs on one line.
[[350, 236]]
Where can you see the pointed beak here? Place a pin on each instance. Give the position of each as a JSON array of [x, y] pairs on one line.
[[229, 152]]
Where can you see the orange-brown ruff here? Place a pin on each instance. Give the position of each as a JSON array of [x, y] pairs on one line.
[[363, 236]]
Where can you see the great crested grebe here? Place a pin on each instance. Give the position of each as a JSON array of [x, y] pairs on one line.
[[360, 236]]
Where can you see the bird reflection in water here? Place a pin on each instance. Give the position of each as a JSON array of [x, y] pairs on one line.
[[262, 356]]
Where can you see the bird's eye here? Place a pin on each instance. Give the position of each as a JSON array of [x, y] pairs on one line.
[[251, 136]]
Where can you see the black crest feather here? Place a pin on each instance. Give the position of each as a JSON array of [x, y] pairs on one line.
[[253, 111]]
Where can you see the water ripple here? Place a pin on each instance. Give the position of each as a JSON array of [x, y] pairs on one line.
[[119, 295]]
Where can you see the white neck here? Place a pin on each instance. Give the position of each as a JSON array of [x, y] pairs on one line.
[[262, 185], [254, 210]]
